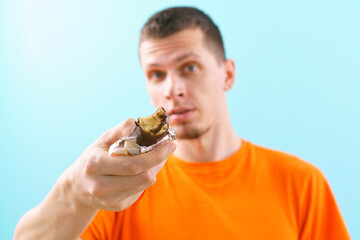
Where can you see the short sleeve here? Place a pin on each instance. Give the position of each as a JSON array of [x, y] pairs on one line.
[[321, 218], [101, 227]]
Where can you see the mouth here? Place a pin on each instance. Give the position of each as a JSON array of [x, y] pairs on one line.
[[180, 114]]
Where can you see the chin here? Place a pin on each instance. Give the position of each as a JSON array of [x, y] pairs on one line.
[[188, 132]]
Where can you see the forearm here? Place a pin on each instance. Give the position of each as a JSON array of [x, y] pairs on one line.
[[95, 181], [59, 216]]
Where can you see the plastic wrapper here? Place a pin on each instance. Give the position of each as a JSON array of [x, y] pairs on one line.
[[128, 146]]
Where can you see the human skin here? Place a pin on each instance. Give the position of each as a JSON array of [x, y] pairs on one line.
[[185, 76], [95, 181]]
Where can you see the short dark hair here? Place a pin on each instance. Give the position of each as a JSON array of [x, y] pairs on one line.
[[172, 20]]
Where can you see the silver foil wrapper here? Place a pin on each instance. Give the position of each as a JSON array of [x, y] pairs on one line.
[[128, 145]]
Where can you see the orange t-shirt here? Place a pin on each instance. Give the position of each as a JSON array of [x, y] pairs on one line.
[[256, 193]]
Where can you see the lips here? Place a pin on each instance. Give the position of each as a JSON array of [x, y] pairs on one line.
[[180, 114]]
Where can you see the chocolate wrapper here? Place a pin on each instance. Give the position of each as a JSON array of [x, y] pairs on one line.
[[128, 146]]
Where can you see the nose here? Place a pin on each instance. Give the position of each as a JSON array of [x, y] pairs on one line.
[[175, 87]]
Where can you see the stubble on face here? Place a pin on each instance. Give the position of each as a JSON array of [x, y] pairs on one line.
[[190, 132], [163, 53]]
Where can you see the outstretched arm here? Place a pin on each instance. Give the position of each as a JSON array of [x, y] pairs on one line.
[[95, 181]]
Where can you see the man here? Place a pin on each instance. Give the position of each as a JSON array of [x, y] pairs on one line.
[[213, 186]]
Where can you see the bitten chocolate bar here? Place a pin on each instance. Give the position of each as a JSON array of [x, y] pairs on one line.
[[148, 133]]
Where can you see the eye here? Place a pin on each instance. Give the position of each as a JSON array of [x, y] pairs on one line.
[[156, 75], [190, 68]]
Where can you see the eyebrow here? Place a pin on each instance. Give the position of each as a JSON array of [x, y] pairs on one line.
[[178, 59]]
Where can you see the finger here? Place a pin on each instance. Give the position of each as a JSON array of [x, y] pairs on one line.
[[106, 185], [133, 165], [112, 135], [155, 170], [104, 164]]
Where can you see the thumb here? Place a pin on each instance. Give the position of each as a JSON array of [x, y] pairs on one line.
[[112, 135]]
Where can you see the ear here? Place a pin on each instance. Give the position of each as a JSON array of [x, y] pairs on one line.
[[229, 66]]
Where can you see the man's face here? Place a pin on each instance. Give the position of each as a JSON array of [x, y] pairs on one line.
[[184, 77]]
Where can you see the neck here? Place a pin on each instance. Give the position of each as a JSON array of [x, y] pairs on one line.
[[216, 144]]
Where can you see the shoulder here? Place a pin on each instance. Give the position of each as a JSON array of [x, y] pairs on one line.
[[282, 163], [102, 225]]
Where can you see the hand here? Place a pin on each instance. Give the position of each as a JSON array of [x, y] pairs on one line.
[[114, 182]]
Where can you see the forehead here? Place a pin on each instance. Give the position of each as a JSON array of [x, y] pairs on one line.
[[181, 45]]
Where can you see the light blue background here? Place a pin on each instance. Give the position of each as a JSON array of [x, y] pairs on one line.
[[69, 70]]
